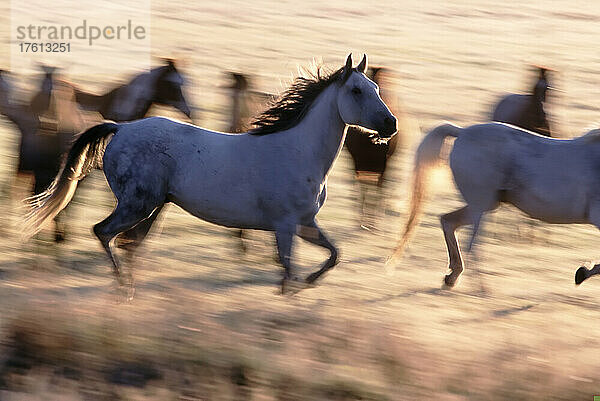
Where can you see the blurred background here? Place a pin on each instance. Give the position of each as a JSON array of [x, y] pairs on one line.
[[208, 322]]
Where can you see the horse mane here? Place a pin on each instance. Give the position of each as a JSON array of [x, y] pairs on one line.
[[293, 104]]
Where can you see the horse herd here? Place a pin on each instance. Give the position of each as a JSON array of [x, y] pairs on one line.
[[273, 174]]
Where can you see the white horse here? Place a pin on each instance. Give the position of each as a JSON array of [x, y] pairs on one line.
[[271, 178], [552, 180]]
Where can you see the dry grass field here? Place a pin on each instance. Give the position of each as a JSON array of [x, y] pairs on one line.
[[208, 323]]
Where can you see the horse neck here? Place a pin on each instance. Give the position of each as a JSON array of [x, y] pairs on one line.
[[124, 94], [143, 110], [90, 101], [322, 130]]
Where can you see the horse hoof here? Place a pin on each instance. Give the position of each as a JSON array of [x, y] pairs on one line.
[[59, 237], [312, 278], [291, 286], [124, 294], [449, 281], [580, 275]]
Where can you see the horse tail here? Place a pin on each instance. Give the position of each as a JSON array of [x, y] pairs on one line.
[[85, 154], [427, 156]]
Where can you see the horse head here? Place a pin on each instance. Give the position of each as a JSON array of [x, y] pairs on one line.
[[168, 90], [359, 102], [542, 85]]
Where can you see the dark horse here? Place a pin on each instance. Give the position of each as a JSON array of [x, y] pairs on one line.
[[26, 116], [526, 111], [370, 159], [42, 141], [162, 85]]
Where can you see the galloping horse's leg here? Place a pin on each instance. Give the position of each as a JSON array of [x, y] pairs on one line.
[[476, 219], [132, 238], [125, 216], [284, 238], [583, 273], [453, 221], [313, 234], [450, 223]]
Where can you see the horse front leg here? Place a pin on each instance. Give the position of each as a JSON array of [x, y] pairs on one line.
[[313, 234], [583, 273], [284, 237]]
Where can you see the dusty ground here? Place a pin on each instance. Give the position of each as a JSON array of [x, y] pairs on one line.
[[515, 327]]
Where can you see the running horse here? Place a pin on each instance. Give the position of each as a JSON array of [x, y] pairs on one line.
[[552, 180], [272, 178], [370, 157], [47, 126], [131, 101], [526, 111]]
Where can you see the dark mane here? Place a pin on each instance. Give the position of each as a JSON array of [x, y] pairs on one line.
[[293, 104]]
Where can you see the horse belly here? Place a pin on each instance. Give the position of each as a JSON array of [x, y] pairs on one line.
[[222, 207], [561, 204]]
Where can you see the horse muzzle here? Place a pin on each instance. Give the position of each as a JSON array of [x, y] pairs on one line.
[[388, 128]]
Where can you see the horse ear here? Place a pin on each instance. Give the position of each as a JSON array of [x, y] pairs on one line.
[[170, 62], [347, 68], [362, 67]]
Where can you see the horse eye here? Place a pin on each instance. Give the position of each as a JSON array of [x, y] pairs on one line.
[[356, 91]]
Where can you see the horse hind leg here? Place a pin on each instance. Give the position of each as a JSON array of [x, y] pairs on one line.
[[450, 223], [131, 239], [125, 217]]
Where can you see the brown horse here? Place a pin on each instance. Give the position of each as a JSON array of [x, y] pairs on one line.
[[26, 116], [526, 111], [47, 124], [371, 158]]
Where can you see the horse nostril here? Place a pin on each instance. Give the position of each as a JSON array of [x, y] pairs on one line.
[[390, 122]]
